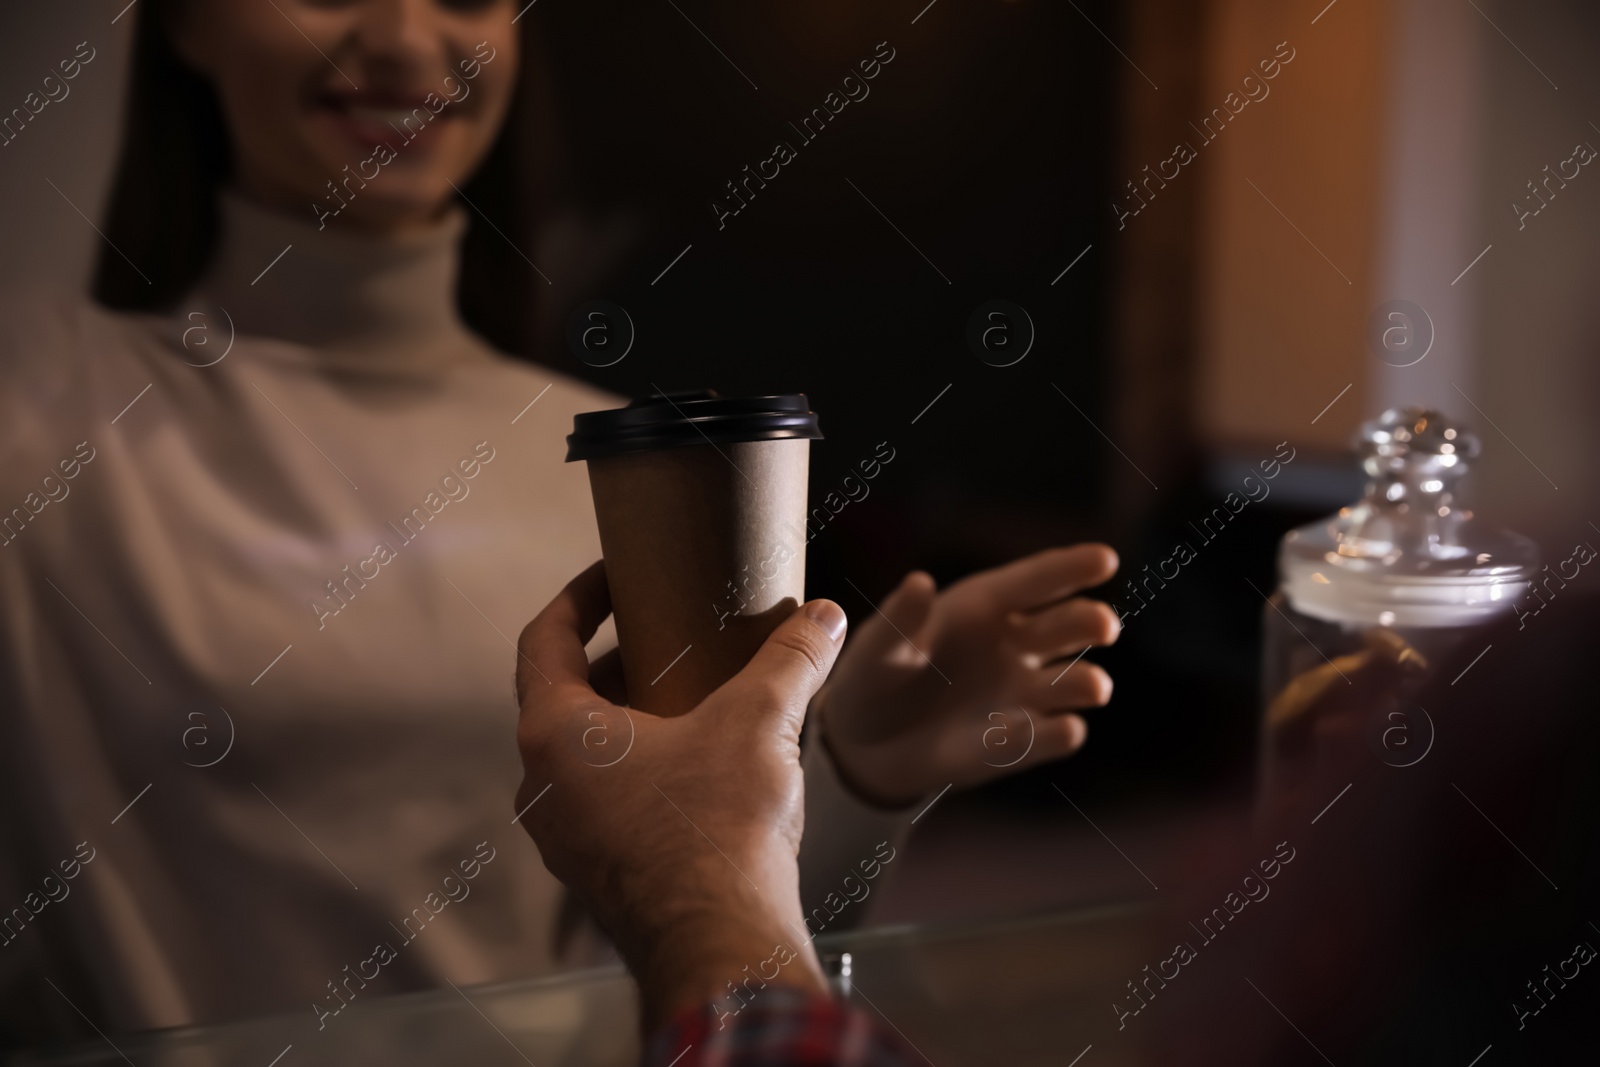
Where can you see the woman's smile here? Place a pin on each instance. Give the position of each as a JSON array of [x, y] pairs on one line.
[[369, 118], [310, 90]]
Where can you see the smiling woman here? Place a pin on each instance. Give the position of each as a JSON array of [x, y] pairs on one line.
[[225, 492], [317, 81], [277, 100]]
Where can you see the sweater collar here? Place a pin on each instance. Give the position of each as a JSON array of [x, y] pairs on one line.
[[364, 301]]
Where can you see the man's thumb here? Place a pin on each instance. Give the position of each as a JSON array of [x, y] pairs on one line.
[[796, 657]]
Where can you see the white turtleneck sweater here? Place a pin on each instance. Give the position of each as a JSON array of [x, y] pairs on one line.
[[255, 639]]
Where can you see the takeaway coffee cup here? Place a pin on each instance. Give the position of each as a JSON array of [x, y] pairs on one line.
[[701, 503]]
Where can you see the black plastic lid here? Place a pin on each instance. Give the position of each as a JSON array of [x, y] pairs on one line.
[[672, 420]]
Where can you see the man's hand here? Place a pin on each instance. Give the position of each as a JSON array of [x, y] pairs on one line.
[[967, 685], [680, 835]]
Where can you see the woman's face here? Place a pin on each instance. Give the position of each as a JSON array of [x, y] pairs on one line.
[[355, 112]]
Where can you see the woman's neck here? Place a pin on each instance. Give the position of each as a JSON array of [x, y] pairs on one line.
[[386, 299]]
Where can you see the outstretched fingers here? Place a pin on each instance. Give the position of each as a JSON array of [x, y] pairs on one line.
[[1054, 574], [1069, 685], [897, 620], [1016, 738], [1066, 628], [1055, 738]]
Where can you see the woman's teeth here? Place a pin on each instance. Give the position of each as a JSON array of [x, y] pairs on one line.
[[380, 115]]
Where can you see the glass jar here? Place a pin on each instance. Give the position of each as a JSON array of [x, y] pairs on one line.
[[1371, 598]]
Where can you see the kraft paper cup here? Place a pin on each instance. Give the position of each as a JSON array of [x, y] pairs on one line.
[[701, 505]]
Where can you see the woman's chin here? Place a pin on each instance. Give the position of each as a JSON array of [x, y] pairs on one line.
[[397, 209]]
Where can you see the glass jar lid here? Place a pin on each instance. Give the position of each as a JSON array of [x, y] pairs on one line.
[[1407, 553]]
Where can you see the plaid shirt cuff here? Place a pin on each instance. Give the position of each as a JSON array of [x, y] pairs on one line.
[[779, 1028]]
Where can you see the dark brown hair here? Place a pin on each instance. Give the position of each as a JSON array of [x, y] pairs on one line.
[[176, 155]]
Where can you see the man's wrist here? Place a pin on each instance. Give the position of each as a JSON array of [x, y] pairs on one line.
[[723, 959], [714, 933]]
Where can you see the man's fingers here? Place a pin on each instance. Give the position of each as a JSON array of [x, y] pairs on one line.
[[1067, 628], [898, 618], [550, 649], [1052, 575], [789, 668], [605, 675]]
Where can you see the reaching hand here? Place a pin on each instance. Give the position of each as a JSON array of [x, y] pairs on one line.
[[967, 685], [680, 835]]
